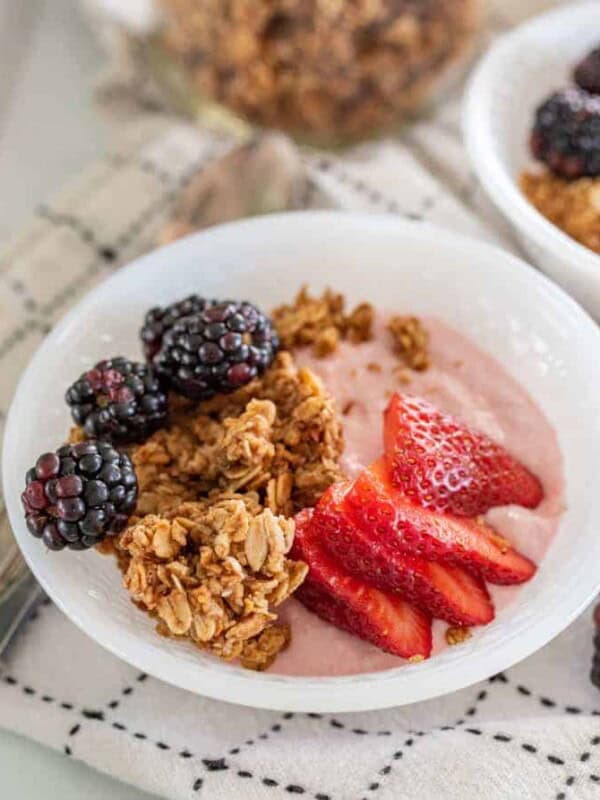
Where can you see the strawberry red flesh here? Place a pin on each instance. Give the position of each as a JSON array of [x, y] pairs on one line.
[[386, 515], [442, 465], [446, 592], [385, 620]]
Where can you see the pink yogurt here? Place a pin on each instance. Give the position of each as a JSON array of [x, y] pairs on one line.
[[468, 383]]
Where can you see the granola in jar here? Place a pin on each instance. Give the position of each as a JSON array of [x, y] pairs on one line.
[[326, 70]]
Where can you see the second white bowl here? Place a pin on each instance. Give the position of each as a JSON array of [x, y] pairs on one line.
[[510, 82]]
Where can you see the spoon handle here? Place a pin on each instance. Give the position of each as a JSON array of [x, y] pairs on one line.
[[15, 609]]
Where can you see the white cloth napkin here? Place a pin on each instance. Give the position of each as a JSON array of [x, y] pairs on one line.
[[529, 733]]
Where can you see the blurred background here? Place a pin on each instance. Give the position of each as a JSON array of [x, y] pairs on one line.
[[55, 53]]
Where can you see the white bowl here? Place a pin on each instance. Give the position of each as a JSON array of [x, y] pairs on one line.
[[515, 76], [539, 334]]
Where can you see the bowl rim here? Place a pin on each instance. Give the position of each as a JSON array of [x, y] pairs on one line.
[[493, 175], [292, 693]]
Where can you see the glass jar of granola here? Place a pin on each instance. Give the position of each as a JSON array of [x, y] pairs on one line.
[[326, 71]]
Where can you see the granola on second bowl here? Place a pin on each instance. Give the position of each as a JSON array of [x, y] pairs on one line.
[[573, 206]]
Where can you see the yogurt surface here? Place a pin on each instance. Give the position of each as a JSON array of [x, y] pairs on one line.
[[474, 387]]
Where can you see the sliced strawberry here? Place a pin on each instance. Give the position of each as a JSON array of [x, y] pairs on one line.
[[346, 602], [446, 592], [442, 465], [387, 515]]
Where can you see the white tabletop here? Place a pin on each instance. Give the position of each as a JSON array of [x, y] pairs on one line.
[[30, 771], [48, 131]]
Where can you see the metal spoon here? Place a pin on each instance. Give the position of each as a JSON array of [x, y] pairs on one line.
[[19, 591]]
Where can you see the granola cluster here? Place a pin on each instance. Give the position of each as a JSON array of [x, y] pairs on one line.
[[326, 69], [573, 206], [411, 342], [455, 635], [322, 322], [279, 435], [212, 571], [206, 552]]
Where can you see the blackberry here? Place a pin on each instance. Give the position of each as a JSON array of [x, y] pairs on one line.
[[78, 495], [587, 72], [566, 134], [119, 400], [218, 350], [159, 320]]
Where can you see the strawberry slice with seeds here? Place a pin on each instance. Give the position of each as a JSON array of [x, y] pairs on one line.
[[384, 511], [442, 465], [385, 620], [446, 592]]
